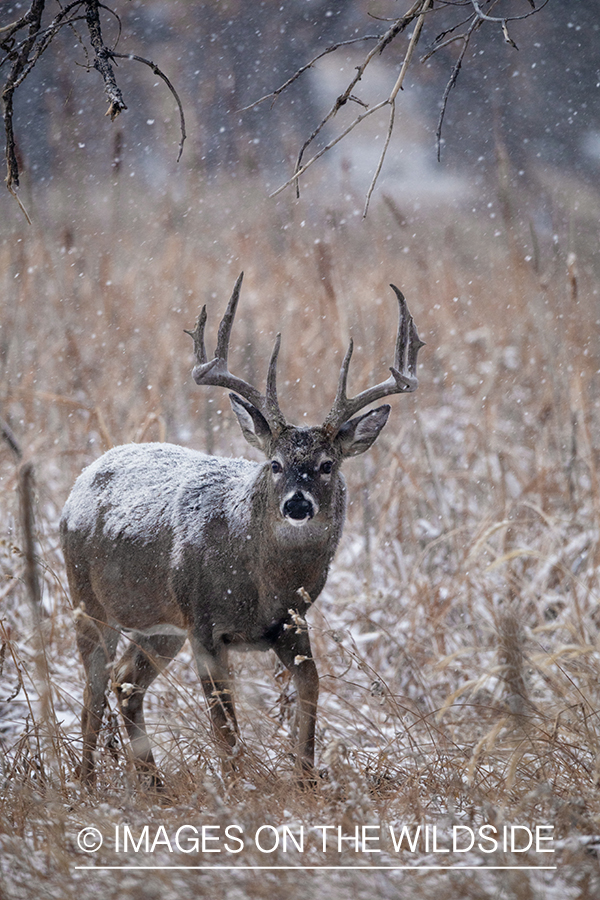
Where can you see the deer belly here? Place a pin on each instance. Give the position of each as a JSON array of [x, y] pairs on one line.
[[134, 591]]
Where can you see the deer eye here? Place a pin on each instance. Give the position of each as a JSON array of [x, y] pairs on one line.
[[326, 467], [276, 467]]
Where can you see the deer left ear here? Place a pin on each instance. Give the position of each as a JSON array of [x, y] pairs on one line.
[[356, 435]]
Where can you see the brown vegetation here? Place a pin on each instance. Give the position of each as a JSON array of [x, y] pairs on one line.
[[457, 636]]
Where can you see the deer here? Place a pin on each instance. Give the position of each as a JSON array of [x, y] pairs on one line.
[[166, 543]]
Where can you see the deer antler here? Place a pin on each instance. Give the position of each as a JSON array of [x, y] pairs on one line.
[[215, 371], [402, 380]]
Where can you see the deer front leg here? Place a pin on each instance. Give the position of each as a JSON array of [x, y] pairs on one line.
[[294, 651], [217, 685]]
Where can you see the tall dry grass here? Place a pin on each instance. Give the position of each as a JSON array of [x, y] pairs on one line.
[[457, 636]]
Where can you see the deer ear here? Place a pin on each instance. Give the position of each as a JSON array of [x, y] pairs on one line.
[[255, 427], [357, 435]]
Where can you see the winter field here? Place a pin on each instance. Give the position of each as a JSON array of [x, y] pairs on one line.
[[457, 636]]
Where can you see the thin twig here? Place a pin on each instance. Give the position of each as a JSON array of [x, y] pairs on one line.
[[503, 19], [161, 74], [475, 23], [439, 42], [331, 144], [23, 56], [119, 24], [381, 158], [274, 94], [434, 49], [42, 38]]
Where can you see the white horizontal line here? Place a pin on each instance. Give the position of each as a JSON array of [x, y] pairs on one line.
[[345, 868]]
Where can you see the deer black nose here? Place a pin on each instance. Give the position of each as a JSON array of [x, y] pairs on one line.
[[298, 507]]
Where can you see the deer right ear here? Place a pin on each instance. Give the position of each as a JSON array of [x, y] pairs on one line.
[[255, 427]]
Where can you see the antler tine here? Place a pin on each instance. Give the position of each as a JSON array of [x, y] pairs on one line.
[[340, 396], [227, 321], [198, 336], [271, 400], [403, 373], [401, 337], [408, 342], [216, 373]]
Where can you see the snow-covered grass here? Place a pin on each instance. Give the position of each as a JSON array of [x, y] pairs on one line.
[[457, 636]]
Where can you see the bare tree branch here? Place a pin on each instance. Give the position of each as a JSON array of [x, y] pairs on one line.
[[102, 60], [43, 39], [25, 40], [24, 54], [33, 19], [397, 28], [417, 12]]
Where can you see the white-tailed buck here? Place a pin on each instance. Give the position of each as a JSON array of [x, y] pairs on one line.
[[168, 543]]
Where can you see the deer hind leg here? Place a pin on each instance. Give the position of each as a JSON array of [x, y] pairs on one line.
[[144, 659], [217, 685], [97, 643]]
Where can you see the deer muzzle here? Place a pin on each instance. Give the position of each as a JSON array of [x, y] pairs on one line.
[[298, 508]]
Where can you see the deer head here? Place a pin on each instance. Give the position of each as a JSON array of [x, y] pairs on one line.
[[304, 461]]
